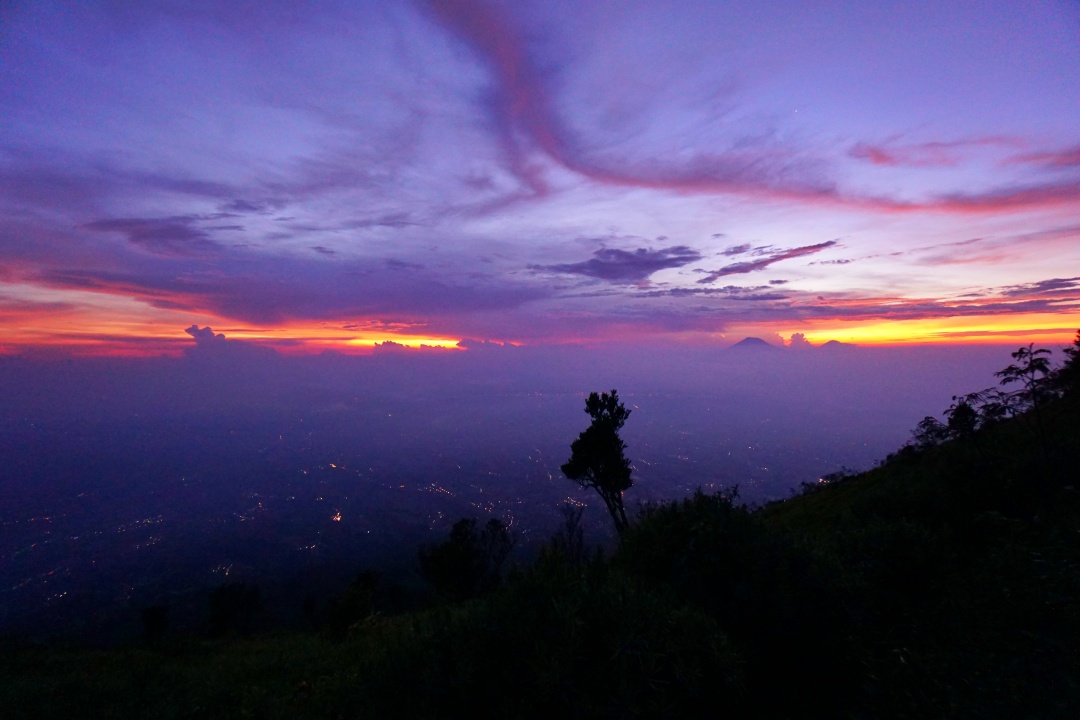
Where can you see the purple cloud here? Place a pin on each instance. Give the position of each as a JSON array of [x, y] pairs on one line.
[[1059, 159], [162, 236], [266, 291], [424, 164], [628, 266], [737, 250], [755, 265], [205, 336], [1053, 286], [926, 154]]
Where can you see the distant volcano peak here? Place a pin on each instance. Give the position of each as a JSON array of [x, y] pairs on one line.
[[753, 343]]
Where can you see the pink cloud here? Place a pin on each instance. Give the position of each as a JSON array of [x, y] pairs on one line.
[[1067, 158], [523, 111], [925, 154]]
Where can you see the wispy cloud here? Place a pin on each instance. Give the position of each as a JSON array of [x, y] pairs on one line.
[[265, 291], [1054, 286], [926, 154], [749, 266], [1059, 159], [523, 110]]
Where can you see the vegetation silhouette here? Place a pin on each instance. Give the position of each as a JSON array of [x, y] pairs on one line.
[[569, 539], [155, 621], [234, 608], [1040, 384], [597, 458], [353, 606], [470, 562], [915, 589], [1032, 371], [1066, 378]]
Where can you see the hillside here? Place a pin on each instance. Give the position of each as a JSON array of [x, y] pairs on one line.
[[943, 583]]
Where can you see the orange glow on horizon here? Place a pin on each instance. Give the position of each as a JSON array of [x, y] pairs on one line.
[[173, 342], [79, 323], [1046, 328], [83, 332]]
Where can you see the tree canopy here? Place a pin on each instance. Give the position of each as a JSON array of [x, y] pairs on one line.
[[597, 458]]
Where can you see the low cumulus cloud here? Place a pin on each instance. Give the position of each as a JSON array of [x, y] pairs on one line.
[[475, 345], [628, 265], [215, 347], [799, 342], [205, 337]]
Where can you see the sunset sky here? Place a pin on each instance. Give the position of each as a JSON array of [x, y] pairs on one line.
[[340, 174]]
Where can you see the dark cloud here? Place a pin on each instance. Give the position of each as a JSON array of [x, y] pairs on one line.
[[251, 206], [215, 347], [161, 236], [267, 290], [204, 336], [731, 292], [395, 264], [625, 265], [323, 250], [761, 297], [736, 250], [767, 260], [1054, 286], [483, 345], [392, 220]]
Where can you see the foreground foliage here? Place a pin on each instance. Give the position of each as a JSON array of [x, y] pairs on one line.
[[944, 583]]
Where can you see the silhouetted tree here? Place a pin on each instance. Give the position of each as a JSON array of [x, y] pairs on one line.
[[994, 406], [930, 432], [1067, 377], [469, 563], [596, 457], [962, 419], [1031, 370]]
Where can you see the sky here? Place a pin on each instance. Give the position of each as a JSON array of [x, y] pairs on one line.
[[329, 176]]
